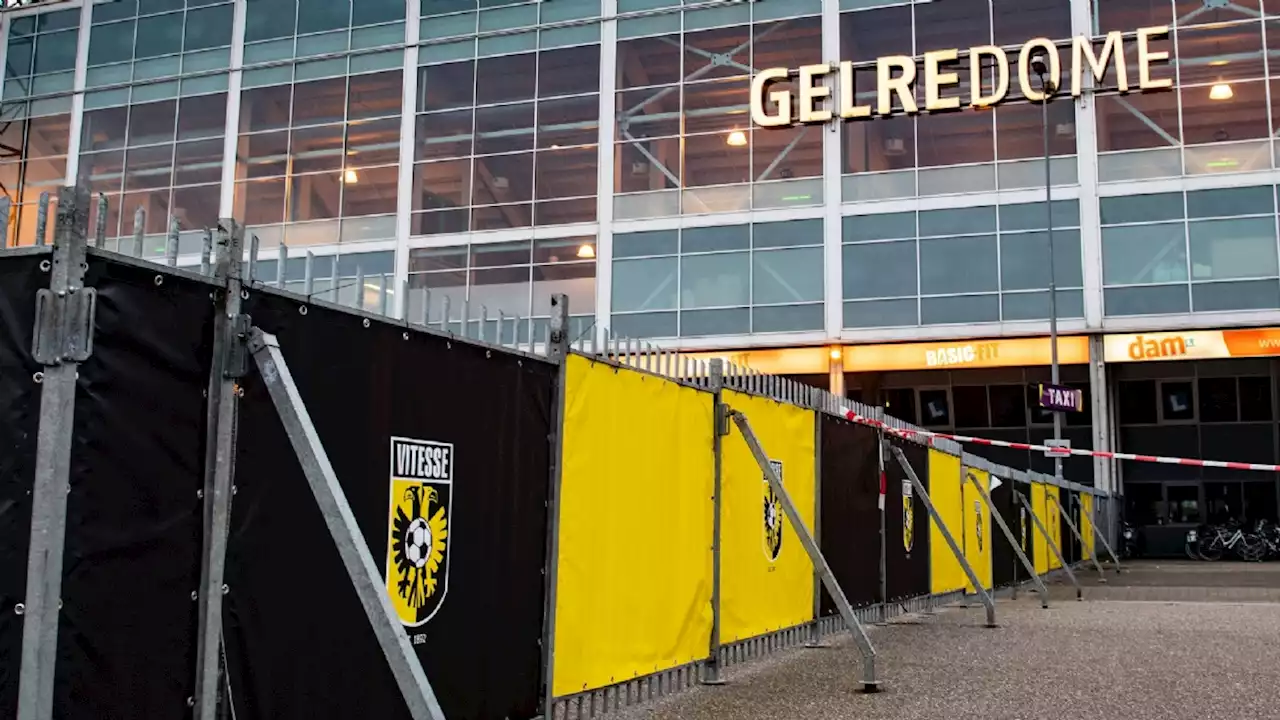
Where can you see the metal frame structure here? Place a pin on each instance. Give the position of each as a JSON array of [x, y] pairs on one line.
[[63, 339], [1008, 534], [716, 384], [558, 350], [870, 683], [1049, 541], [1066, 516], [946, 532]]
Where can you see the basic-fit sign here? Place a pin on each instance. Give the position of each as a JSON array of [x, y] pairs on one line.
[[811, 100]]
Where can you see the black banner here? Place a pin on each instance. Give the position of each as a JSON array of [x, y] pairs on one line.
[[1024, 528], [906, 522], [849, 478], [1003, 558], [421, 431], [20, 278], [127, 633], [1071, 549]]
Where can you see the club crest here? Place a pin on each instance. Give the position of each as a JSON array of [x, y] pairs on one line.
[[773, 515], [1022, 519], [419, 526], [977, 519], [908, 516]]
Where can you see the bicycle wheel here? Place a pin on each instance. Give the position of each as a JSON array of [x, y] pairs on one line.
[[1210, 548]]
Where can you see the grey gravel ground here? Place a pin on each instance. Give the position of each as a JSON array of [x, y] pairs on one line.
[[1154, 658]]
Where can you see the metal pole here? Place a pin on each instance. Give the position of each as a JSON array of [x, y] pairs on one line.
[[1049, 541], [880, 502], [869, 682], [558, 351], [1017, 546], [42, 219], [815, 630], [139, 229], [946, 535], [1102, 578], [361, 568], [1049, 86], [63, 338], [720, 427], [219, 464]]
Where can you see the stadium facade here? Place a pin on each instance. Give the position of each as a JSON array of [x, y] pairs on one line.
[[725, 177]]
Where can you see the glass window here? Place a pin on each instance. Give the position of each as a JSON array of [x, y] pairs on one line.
[[1231, 249], [959, 265], [1176, 400], [1008, 406], [1184, 503], [1137, 400], [959, 309], [879, 227], [935, 408], [1144, 254], [1024, 260], [880, 270], [644, 284], [787, 276], [716, 280], [1231, 201], [1255, 399], [962, 221], [1140, 208], [971, 406], [901, 403], [1158, 300], [1218, 401]]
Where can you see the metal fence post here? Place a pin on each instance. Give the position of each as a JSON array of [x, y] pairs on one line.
[[720, 427], [1049, 541], [557, 351], [870, 683], [946, 534], [815, 632], [63, 339], [219, 462], [882, 455]]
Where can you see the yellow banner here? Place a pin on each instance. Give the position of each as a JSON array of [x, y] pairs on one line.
[[1086, 525], [636, 514], [766, 578], [1041, 549], [1054, 524], [1012, 352], [945, 572], [977, 528]]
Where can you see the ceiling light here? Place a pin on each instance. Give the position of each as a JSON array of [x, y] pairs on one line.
[[835, 353], [1218, 63], [1221, 91], [350, 177], [586, 251], [737, 138]]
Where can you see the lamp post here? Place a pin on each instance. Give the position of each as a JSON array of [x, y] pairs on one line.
[[1049, 86]]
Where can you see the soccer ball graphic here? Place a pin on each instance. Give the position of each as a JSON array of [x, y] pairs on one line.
[[417, 542]]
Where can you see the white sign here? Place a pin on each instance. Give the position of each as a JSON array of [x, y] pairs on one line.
[[1064, 444]]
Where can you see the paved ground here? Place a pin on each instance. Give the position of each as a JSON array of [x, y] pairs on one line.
[[1162, 641]]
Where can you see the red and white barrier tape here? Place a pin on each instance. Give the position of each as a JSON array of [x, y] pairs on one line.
[[851, 415]]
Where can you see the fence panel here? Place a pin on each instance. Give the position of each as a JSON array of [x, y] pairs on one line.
[[1004, 561], [1038, 506], [766, 576], [850, 517], [1070, 545], [945, 573], [470, 593], [906, 536], [1086, 525], [20, 278], [978, 529], [1054, 523], [126, 637], [636, 513]]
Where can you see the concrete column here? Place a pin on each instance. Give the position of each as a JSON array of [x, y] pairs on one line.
[[835, 375], [1104, 471]]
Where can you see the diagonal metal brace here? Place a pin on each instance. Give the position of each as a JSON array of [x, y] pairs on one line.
[[946, 533], [1102, 578], [361, 567], [1013, 542], [1049, 541], [869, 682], [1093, 525]]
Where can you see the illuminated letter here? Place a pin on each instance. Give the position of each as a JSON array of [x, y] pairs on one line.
[[886, 84], [975, 75], [810, 91], [1024, 67], [848, 108], [782, 98], [1082, 49], [1146, 57], [934, 80]]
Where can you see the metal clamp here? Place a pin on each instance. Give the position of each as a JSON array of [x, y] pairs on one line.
[[64, 325]]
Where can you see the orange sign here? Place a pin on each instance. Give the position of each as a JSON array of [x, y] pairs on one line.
[[1192, 345], [1015, 352]]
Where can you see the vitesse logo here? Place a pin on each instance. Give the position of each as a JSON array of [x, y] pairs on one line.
[[977, 519], [419, 521], [908, 516], [772, 515], [1022, 518]]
